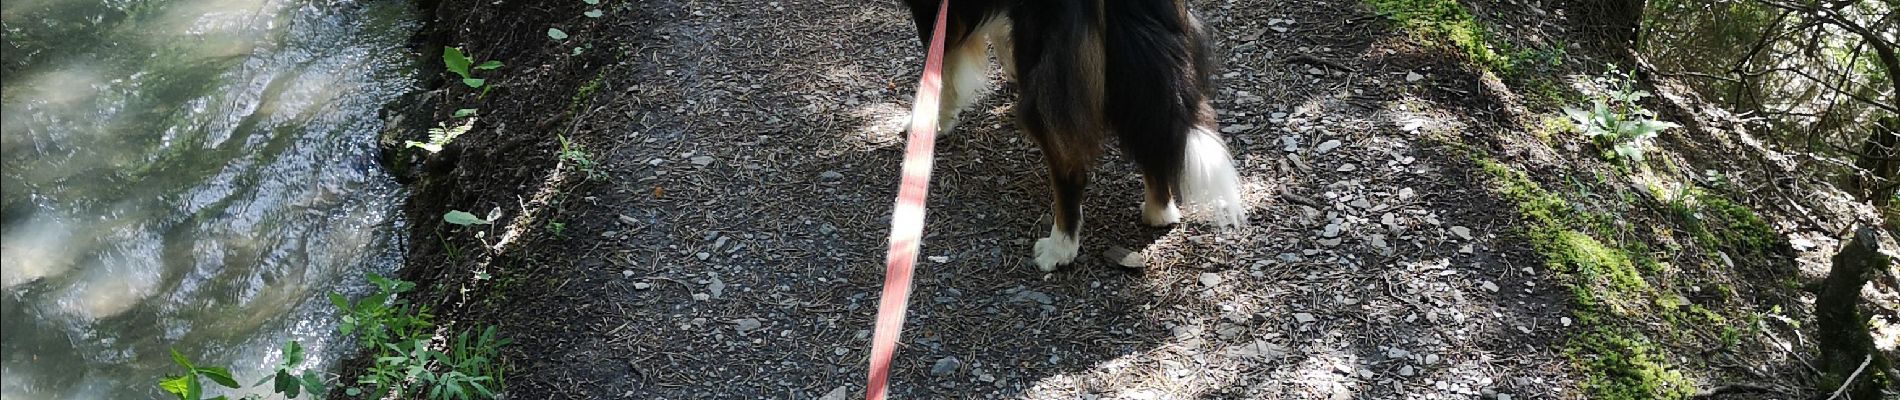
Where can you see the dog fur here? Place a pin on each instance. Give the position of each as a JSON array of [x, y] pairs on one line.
[[1087, 68]]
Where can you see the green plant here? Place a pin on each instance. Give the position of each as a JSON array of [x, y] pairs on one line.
[[441, 135], [557, 228], [1616, 121], [472, 367], [186, 385], [577, 155], [291, 384], [398, 334], [460, 64], [463, 218], [389, 325]]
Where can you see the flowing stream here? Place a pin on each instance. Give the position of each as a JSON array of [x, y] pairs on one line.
[[188, 174]]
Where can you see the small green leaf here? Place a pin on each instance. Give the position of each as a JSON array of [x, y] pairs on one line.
[[293, 353], [556, 34], [181, 361], [576, 52], [464, 112], [591, 2], [313, 384], [286, 384], [352, 392], [193, 390], [592, 13], [463, 218], [455, 61], [487, 65], [220, 376], [177, 385], [473, 82], [338, 300]]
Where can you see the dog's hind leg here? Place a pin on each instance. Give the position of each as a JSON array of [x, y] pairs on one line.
[[1157, 202], [966, 78], [1069, 177], [1005, 49]]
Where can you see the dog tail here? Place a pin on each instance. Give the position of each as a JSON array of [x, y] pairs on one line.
[[1209, 185]]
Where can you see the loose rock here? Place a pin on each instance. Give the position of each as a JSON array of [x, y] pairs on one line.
[[945, 366]]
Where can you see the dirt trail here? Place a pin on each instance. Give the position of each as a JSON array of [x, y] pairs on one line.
[[747, 159], [715, 229]]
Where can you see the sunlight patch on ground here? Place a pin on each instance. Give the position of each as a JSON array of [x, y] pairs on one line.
[[883, 125]]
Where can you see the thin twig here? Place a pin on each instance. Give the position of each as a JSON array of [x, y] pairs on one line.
[[1850, 377], [1310, 59]]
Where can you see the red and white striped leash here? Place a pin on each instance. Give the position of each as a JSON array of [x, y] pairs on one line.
[[907, 221]]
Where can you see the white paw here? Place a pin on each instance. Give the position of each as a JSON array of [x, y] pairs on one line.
[[945, 125], [1055, 250], [1160, 216]]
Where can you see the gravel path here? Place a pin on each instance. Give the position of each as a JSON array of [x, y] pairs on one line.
[[734, 249]]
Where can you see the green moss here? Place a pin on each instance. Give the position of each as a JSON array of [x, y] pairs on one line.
[[1620, 366], [585, 91], [1742, 230], [1444, 22], [1608, 289], [1551, 126]]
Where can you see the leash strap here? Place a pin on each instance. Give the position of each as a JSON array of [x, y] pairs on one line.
[[907, 221]]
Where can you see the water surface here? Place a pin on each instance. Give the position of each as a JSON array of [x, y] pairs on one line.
[[188, 174]]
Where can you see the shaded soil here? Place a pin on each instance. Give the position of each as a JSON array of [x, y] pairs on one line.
[[716, 230]]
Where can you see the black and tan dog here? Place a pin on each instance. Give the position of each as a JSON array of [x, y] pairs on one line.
[[1086, 68]]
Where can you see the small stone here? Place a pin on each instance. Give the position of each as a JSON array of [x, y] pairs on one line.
[[626, 273], [1326, 146], [945, 366], [1462, 232], [1490, 287], [747, 325], [1290, 143], [841, 393], [702, 160], [642, 286], [1210, 279], [1413, 77], [717, 288], [628, 220], [1397, 353], [1405, 193], [1304, 318], [1407, 371], [1316, 71], [1035, 296], [1349, 167], [1126, 258], [830, 175], [939, 259], [1504, 396], [1565, 321], [1431, 358], [703, 256], [701, 297], [1331, 230]]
